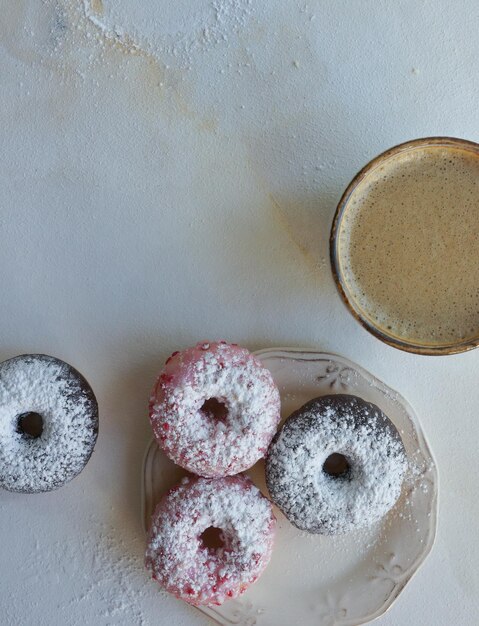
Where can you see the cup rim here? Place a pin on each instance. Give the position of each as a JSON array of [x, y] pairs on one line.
[[407, 346]]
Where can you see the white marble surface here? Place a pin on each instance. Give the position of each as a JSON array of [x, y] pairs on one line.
[[169, 175]]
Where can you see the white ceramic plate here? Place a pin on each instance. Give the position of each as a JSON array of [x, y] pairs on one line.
[[328, 581]]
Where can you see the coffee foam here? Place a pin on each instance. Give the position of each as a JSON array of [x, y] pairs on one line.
[[408, 245]]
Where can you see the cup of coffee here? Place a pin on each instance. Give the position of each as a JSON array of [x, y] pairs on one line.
[[404, 246]]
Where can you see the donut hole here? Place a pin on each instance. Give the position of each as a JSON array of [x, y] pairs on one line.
[[214, 409], [212, 539], [337, 466], [30, 424]]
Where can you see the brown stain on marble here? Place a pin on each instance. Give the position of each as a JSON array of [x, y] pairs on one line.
[[160, 87], [160, 82], [48, 49], [13, 18], [164, 84], [97, 6], [31, 47], [282, 220], [209, 125]]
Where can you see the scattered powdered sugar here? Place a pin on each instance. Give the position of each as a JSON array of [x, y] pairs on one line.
[[102, 562], [198, 441], [174, 32], [65, 401], [317, 502], [180, 562]]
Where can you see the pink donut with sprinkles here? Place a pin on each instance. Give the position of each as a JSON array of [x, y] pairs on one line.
[[184, 560], [214, 409]]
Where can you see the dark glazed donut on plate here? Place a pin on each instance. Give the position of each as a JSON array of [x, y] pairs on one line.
[[337, 464], [48, 423]]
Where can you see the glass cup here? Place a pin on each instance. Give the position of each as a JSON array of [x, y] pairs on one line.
[[429, 164]]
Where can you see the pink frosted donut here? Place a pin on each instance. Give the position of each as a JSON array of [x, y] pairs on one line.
[[179, 555], [214, 409]]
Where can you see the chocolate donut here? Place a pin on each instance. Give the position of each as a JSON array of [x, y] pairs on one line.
[[337, 464], [48, 423]]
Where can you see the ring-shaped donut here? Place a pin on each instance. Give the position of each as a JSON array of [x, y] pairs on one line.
[[214, 409], [337, 464], [177, 556], [61, 410]]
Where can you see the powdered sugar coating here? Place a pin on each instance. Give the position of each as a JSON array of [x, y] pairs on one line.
[[313, 500], [198, 442], [179, 561], [45, 385]]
